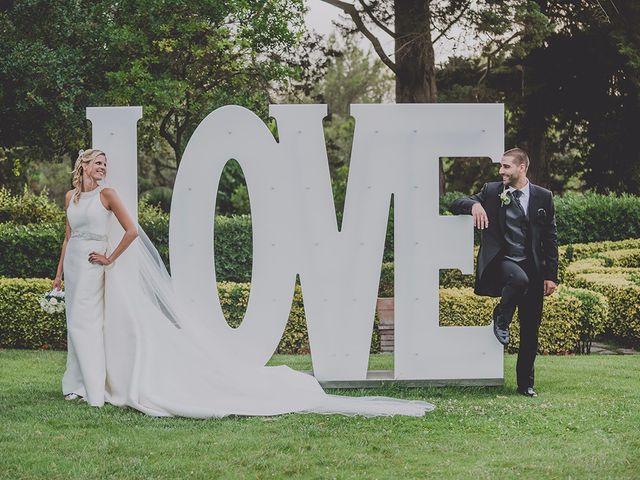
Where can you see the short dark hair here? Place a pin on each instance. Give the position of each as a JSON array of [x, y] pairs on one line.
[[519, 156]]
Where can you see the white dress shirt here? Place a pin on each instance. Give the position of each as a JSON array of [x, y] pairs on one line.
[[524, 198]]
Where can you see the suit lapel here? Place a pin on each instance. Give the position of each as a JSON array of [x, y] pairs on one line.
[[533, 198]]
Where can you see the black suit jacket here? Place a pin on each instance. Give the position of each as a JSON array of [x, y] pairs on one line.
[[543, 233]]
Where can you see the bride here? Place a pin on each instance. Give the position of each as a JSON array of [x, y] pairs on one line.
[[129, 344]]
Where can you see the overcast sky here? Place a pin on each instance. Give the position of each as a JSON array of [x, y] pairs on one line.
[[320, 17]]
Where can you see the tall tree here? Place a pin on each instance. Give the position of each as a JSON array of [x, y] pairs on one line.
[[185, 58], [419, 24], [572, 96], [414, 64], [179, 59], [52, 62]]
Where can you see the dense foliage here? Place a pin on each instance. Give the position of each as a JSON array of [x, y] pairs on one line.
[[31, 250], [178, 59]]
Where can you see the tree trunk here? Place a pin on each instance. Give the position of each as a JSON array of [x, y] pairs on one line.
[[535, 125], [536, 147], [414, 57]]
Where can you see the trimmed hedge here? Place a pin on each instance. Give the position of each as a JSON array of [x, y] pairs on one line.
[[28, 208], [623, 295], [592, 217], [569, 254], [594, 315], [578, 217], [593, 265], [234, 298], [33, 251], [233, 248], [458, 305], [233, 241], [578, 251], [30, 251], [567, 317], [628, 258], [570, 318], [449, 278], [612, 269], [23, 324]]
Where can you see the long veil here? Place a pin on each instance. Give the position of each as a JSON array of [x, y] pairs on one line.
[[163, 362]]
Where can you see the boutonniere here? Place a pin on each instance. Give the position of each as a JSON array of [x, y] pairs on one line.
[[505, 199]]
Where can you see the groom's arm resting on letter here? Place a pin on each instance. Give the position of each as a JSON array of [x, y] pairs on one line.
[[472, 205]]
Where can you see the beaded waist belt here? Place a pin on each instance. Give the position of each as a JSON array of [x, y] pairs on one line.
[[89, 236]]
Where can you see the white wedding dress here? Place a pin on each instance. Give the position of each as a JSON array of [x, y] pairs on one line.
[[129, 345]]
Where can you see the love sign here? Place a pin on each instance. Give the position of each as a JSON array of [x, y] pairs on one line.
[[395, 155]]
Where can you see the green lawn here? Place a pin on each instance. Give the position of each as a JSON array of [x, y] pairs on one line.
[[584, 424]]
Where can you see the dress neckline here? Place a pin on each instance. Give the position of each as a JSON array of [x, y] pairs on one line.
[[91, 193]]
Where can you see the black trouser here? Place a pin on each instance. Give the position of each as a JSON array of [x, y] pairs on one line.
[[522, 288]]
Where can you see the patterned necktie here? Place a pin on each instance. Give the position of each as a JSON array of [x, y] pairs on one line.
[[516, 196]]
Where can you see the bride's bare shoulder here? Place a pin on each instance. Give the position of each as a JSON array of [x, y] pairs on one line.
[[67, 198], [109, 198], [109, 192]]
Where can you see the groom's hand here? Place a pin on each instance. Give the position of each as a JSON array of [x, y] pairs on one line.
[[480, 219], [549, 287]]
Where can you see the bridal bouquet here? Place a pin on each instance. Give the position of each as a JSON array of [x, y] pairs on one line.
[[53, 301]]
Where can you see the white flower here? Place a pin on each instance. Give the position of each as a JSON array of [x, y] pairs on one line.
[[52, 302], [505, 199]]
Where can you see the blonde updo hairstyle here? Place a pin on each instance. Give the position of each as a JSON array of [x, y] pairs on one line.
[[85, 157]]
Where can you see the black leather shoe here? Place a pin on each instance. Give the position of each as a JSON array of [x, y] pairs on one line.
[[527, 392], [502, 334]]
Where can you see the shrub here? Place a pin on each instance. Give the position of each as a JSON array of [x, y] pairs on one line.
[[454, 278], [233, 241], [623, 296], [564, 258], [559, 332], [570, 254], [592, 217], [594, 315], [33, 251], [449, 278], [159, 197], [234, 298], [447, 199], [627, 258], [23, 324], [233, 236], [233, 246], [295, 339], [386, 280], [28, 208], [30, 250], [585, 265], [612, 269], [579, 251], [569, 317], [155, 224]]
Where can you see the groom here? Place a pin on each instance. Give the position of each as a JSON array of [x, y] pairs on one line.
[[518, 257]]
